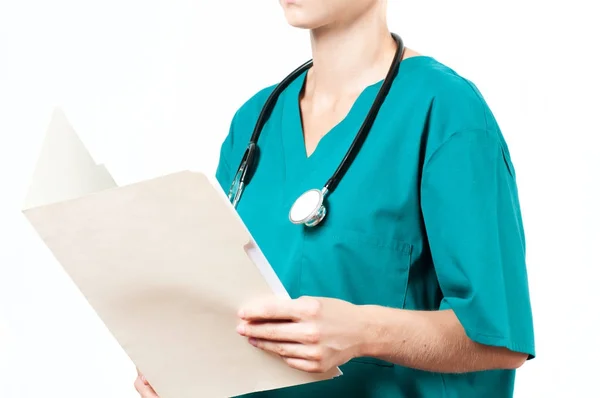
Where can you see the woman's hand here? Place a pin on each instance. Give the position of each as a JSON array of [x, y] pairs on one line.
[[309, 333], [143, 387]]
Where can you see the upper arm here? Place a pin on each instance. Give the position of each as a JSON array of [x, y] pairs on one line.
[[473, 222], [240, 130]]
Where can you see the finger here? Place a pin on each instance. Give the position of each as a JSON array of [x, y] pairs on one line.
[[272, 308], [145, 390], [290, 350], [305, 365], [140, 375], [291, 332], [275, 308]]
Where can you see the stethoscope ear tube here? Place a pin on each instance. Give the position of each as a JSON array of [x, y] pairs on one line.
[[243, 174], [250, 160]]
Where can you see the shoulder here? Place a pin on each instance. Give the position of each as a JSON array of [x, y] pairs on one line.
[[242, 125], [240, 130], [245, 117], [454, 99], [450, 103]]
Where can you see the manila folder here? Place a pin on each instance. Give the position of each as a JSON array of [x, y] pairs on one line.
[[165, 265]]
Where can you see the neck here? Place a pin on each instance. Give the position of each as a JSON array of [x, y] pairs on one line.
[[348, 58]]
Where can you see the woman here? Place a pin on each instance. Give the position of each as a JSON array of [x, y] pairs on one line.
[[415, 282]]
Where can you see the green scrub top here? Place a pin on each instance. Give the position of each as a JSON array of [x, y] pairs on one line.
[[426, 218]]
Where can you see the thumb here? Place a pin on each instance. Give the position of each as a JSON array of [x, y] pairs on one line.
[[142, 377]]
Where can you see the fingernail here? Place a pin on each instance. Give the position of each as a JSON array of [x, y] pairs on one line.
[[144, 379], [241, 329], [241, 314], [252, 341]]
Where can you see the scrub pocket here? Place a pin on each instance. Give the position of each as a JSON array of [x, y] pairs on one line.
[[355, 267]]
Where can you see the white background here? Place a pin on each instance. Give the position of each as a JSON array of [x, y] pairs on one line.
[[151, 87]]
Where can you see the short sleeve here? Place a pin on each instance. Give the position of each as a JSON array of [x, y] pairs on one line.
[[224, 174], [473, 222], [240, 131]]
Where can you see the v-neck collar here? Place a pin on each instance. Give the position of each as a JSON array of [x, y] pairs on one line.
[[332, 146]]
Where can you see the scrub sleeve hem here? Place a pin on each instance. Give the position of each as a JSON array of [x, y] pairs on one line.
[[490, 339], [498, 341]]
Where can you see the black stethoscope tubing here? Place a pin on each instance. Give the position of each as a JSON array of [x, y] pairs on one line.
[[249, 160]]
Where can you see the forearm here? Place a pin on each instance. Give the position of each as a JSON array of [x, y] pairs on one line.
[[429, 340]]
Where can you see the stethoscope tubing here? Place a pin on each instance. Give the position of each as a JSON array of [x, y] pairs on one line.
[[249, 160]]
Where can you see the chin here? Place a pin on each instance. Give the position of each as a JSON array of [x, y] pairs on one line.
[[303, 25], [301, 20]]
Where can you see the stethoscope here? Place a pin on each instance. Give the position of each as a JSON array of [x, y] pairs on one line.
[[309, 209]]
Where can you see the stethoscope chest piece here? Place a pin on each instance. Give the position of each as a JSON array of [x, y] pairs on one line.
[[309, 209]]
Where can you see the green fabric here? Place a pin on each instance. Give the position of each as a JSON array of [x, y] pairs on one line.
[[426, 218]]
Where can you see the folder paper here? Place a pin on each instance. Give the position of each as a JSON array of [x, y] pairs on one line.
[[165, 263]]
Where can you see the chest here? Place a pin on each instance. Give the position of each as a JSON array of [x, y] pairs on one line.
[[373, 216]]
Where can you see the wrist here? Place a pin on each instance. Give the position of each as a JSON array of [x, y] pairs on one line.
[[371, 330]]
